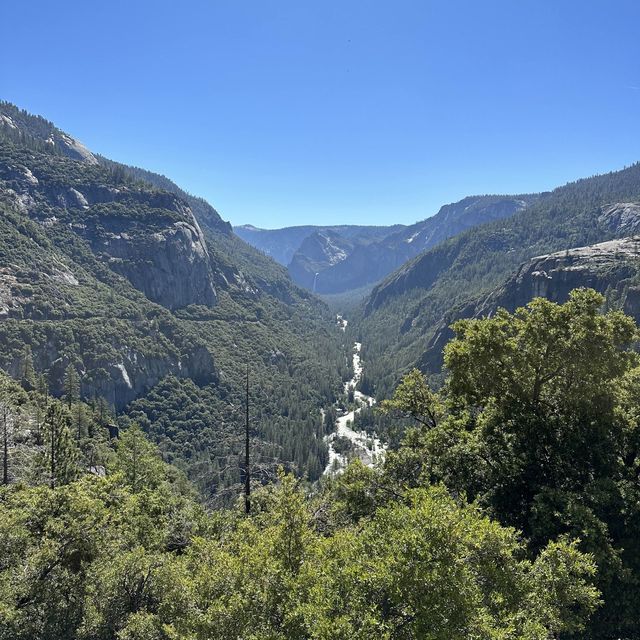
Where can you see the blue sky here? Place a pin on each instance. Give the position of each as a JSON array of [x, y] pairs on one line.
[[297, 112]]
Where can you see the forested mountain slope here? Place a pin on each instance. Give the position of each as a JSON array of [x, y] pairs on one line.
[[612, 268], [159, 313], [402, 313], [206, 215]]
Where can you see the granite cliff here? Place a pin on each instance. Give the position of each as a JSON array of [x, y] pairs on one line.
[[611, 268]]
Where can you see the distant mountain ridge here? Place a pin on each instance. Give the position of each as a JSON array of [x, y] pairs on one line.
[[330, 260], [282, 244]]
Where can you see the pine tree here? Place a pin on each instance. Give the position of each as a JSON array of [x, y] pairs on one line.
[[80, 418], [28, 375], [101, 411], [59, 459], [42, 387], [71, 385], [7, 424], [42, 404], [138, 460]]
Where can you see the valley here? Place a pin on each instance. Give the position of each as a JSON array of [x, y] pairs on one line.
[[117, 277], [331, 261], [320, 321], [154, 363]]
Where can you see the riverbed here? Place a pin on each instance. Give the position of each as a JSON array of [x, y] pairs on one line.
[[367, 447]]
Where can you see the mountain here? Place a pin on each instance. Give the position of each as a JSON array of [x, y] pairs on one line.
[[202, 210], [349, 258], [282, 244], [611, 268], [401, 314], [318, 252], [143, 290], [23, 128]]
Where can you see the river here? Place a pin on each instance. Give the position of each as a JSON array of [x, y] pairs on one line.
[[367, 447]]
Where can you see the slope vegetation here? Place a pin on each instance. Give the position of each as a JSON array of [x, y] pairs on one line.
[[402, 313]]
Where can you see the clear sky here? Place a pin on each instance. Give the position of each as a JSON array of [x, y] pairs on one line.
[[292, 111]]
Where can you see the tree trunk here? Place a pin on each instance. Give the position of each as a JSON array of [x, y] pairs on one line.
[[247, 470], [5, 448]]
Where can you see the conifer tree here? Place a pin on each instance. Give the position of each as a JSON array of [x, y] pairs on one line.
[[138, 460], [59, 460], [28, 375], [7, 424], [71, 385], [41, 405], [42, 386]]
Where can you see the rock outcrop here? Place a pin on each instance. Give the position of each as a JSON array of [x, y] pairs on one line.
[[149, 236], [121, 378], [623, 218], [18, 121], [318, 253], [171, 267], [612, 268]]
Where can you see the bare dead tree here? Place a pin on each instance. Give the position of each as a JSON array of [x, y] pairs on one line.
[[7, 418], [247, 468]]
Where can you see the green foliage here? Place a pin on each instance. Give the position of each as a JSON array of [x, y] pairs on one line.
[[58, 461], [138, 460], [541, 429], [423, 568], [131, 555], [71, 385], [546, 355], [414, 399]]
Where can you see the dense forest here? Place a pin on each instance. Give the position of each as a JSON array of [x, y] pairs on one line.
[[508, 510], [95, 278]]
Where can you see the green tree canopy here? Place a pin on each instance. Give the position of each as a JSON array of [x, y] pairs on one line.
[[541, 429]]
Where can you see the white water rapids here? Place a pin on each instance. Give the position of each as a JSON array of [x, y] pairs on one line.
[[367, 447]]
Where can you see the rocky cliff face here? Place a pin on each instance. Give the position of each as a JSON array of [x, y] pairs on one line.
[[127, 371], [318, 253], [554, 276], [455, 218], [207, 217], [171, 267], [120, 344], [150, 237], [623, 218], [76, 240], [612, 268]]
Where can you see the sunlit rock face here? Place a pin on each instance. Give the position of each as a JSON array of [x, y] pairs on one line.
[[611, 267]]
